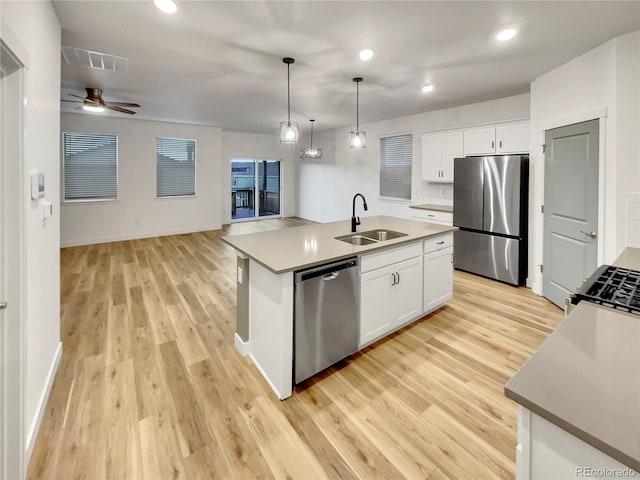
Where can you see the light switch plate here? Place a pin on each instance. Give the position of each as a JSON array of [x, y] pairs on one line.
[[240, 275], [47, 210]]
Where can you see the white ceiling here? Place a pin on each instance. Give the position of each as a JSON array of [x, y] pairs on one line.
[[220, 63]]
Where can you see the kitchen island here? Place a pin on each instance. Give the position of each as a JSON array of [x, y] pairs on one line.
[[426, 249], [579, 396]]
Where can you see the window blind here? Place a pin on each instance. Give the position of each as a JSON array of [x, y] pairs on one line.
[[395, 166], [176, 167], [90, 168]]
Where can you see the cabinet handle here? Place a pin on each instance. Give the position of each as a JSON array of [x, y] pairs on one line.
[[493, 144], [393, 275], [440, 243], [398, 283], [430, 215], [500, 143]]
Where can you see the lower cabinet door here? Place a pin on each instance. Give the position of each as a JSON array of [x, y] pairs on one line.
[[376, 304], [407, 293], [438, 278]]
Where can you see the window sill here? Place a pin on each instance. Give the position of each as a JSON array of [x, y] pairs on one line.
[[394, 200], [88, 201], [176, 197]]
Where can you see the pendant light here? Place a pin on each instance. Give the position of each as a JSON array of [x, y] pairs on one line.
[[357, 138], [310, 151], [288, 129]]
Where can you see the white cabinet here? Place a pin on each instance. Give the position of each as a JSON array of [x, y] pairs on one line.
[[432, 216], [499, 139], [479, 141], [437, 271], [437, 153], [512, 138], [390, 295]]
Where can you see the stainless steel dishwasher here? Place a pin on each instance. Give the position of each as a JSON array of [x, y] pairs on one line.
[[326, 316]]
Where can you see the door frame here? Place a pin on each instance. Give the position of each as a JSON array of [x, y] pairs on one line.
[[12, 425], [255, 183], [599, 114]]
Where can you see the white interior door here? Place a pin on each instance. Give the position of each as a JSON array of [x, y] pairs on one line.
[[12, 445], [570, 246]]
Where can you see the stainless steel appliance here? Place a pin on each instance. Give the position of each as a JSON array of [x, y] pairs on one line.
[[490, 199], [326, 317], [610, 286]]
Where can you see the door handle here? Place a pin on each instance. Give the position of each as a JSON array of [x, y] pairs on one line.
[[589, 234], [3, 305]]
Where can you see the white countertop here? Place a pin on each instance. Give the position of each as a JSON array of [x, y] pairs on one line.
[[296, 248], [585, 377]]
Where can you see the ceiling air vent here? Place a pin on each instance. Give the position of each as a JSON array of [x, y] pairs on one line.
[[97, 60]]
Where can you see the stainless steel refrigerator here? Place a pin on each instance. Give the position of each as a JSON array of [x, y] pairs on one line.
[[490, 205]]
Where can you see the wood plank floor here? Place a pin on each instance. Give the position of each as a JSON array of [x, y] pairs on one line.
[[150, 385]]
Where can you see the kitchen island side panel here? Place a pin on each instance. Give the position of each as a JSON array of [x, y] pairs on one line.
[[271, 326]]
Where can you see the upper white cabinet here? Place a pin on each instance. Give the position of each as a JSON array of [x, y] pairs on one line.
[[479, 141], [437, 152], [500, 139], [513, 138]]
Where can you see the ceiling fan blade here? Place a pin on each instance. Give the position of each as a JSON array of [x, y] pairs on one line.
[[123, 104], [72, 101], [115, 108], [77, 96]]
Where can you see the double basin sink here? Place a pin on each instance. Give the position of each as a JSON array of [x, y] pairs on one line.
[[369, 237]]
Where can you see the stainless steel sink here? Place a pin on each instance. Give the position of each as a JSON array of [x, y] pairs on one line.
[[369, 237], [381, 235], [356, 239]]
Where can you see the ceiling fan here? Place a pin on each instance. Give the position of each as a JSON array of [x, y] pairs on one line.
[[93, 102]]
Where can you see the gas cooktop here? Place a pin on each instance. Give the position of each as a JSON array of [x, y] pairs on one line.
[[611, 286]]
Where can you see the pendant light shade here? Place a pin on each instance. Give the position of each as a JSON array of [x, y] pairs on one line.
[[357, 138], [311, 151], [288, 129]]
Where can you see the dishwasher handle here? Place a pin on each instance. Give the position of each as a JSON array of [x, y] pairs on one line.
[[330, 276], [325, 270]]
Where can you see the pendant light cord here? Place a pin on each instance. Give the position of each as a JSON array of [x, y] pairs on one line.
[[288, 97], [311, 135], [358, 106]]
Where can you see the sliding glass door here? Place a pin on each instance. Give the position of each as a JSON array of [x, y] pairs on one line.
[[255, 188]]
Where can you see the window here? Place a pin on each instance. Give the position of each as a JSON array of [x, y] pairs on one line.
[[395, 166], [90, 166], [176, 167]]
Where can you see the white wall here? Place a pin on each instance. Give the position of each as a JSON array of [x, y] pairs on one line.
[[264, 147], [138, 213], [604, 79], [37, 28], [326, 186]]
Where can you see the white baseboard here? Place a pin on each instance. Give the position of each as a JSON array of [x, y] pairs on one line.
[[135, 236], [32, 434], [267, 379], [241, 346]]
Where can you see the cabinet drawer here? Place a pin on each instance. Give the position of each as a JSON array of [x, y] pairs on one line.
[[387, 257], [433, 215], [438, 243]]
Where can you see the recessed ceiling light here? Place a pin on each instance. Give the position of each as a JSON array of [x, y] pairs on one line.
[[427, 88], [93, 108], [167, 6], [366, 54], [506, 34]]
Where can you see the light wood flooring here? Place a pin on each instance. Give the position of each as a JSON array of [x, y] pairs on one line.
[[150, 385]]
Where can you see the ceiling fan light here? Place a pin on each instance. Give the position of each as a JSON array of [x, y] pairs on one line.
[[288, 132], [167, 6], [357, 139], [93, 108]]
